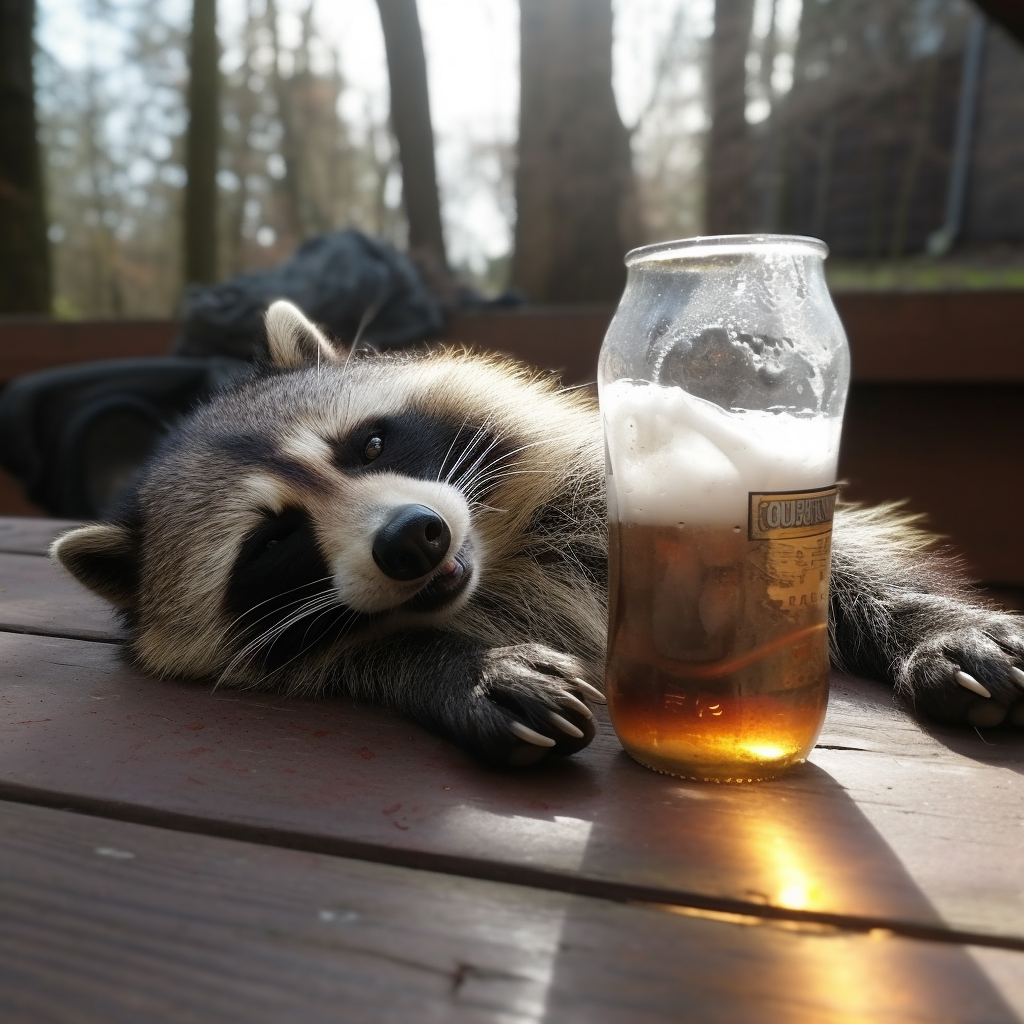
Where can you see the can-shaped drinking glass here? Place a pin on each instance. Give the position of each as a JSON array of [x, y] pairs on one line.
[[722, 381]]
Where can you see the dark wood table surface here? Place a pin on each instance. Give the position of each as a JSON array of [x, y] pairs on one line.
[[168, 853]]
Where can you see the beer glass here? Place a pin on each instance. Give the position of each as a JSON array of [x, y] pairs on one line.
[[722, 381]]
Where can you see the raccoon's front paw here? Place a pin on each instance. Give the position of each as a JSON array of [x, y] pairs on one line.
[[528, 704], [970, 674]]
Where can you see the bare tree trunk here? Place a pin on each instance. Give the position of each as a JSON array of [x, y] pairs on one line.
[[766, 180], [307, 111], [24, 249], [576, 210], [410, 122], [246, 105], [769, 52], [292, 180], [107, 294], [728, 152], [202, 141]]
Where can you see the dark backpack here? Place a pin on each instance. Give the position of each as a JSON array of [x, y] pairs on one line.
[[75, 436]]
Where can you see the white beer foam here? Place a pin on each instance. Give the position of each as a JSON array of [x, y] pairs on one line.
[[680, 459]]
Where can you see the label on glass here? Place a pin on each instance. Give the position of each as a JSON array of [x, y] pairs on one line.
[[788, 515]]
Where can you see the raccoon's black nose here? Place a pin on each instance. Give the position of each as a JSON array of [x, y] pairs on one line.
[[411, 543]]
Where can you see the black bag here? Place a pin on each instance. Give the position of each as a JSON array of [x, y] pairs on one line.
[[75, 436], [341, 281]]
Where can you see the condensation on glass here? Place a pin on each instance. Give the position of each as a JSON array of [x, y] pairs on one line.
[[722, 379]]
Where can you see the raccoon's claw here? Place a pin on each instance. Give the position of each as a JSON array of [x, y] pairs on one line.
[[575, 704], [590, 691], [983, 713], [565, 725], [528, 704], [968, 675], [528, 735], [968, 682]]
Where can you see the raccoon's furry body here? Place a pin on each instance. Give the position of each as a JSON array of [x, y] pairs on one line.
[[428, 532]]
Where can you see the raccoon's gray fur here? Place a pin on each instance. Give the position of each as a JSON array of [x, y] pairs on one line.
[[427, 532]]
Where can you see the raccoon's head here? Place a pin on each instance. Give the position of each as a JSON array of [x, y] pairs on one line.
[[331, 498]]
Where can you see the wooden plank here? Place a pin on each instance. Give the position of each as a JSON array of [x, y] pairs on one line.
[[112, 922], [30, 344], [895, 336], [565, 339], [37, 596], [904, 337], [915, 829], [946, 450], [934, 337], [31, 536]]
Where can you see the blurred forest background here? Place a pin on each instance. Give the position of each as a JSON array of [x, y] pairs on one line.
[[190, 140]]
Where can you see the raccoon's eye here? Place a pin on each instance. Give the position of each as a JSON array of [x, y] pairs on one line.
[[270, 534], [373, 447], [362, 445]]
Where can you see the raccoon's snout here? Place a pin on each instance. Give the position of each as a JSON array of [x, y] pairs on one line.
[[412, 543]]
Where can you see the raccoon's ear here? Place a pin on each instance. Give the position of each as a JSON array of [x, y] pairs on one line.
[[104, 558], [293, 341]]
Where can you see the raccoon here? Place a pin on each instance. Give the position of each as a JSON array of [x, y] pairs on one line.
[[426, 531]]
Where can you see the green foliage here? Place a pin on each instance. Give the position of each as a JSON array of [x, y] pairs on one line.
[[925, 274]]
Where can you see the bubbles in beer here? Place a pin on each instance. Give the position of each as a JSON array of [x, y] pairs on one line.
[[717, 658]]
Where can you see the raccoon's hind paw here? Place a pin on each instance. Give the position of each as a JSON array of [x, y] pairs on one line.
[[528, 704], [970, 675]]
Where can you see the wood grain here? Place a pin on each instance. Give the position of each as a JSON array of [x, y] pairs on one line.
[[31, 536], [934, 337], [38, 596], [113, 922], [916, 830], [951, 452], [30, 344], [894, 336]]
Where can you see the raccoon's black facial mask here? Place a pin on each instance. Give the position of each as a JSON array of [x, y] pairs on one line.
[[281, 594], [417, 445], [281, 587]]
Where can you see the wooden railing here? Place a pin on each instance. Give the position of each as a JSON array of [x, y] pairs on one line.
[[936, 411], [945, 337]]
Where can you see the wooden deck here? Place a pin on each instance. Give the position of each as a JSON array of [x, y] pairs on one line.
[[168, 853]]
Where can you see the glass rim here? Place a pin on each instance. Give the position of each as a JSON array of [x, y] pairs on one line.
[[726, 245]]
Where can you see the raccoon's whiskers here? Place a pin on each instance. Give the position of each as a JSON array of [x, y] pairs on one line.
[[465, 480], [481, 432], [275, 597], [305, 647], [478, 466], [314, 605], [491, 476], [504, 458], [249, 655], [451, 448], [369, 314]]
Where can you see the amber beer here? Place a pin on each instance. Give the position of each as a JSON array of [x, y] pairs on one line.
[[718, 639], [722, 381]]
